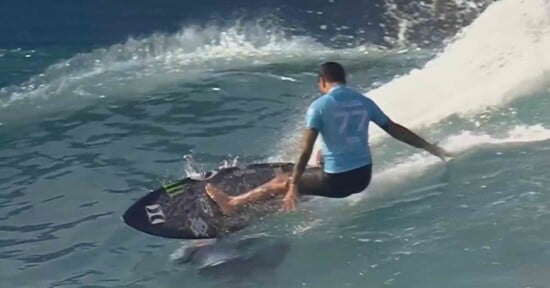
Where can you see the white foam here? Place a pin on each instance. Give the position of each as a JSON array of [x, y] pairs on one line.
[[300, 229], [518, 134], [502, 55]]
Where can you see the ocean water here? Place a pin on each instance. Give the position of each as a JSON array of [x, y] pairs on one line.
[[101, 101]]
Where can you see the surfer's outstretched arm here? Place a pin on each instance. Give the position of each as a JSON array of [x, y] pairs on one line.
[[405, 135]]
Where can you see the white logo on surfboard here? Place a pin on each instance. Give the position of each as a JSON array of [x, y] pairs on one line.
[[155, 214], [205, 207], [198, 226]]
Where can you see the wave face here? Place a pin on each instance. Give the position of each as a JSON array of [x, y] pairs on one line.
[[284, 33], [139, 67]]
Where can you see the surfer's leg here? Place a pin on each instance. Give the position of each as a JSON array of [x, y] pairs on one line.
[[276, 186], [220, 198], [227, 203]]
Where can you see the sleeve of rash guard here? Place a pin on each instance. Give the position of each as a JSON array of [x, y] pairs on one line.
[[377, 115], [313, 118]]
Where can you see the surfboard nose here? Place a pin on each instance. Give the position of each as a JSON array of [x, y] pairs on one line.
[[136, 217], [147, 215]]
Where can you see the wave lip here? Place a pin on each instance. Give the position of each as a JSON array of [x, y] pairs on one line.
[[140, 66]]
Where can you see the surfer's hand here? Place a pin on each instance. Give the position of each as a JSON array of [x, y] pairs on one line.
[[289, 202], [439, 152]]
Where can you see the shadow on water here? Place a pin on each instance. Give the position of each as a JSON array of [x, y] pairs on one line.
[[236, 261]]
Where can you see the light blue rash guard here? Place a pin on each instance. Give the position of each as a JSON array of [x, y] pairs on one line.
[[342, 117]]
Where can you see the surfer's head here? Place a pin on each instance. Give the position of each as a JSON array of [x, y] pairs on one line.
[[331, 74]]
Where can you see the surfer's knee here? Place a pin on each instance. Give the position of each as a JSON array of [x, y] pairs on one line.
[[280, 180], [285, 183], [280, 186]]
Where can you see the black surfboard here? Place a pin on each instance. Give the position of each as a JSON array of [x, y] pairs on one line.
[[183, 210]]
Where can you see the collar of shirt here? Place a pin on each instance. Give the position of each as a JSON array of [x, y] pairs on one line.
[[336, 86]]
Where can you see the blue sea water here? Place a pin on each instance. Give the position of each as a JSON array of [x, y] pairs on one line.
[[101, 100]]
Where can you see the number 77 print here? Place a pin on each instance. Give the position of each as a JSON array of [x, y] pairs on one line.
[[344, 117]]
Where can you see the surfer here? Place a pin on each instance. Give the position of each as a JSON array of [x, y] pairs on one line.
[[341, 115]]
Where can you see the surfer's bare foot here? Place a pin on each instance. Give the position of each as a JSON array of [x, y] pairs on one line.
[[223, 200]]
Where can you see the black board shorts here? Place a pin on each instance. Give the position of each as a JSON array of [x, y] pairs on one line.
[[316, 182]]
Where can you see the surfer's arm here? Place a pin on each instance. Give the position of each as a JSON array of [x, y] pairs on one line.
[[308, 141], [405, 135]]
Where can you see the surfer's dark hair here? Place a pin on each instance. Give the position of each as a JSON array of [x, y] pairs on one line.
[[333, 72]]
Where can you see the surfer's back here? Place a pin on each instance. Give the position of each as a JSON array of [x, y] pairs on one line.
[[343, 115]]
